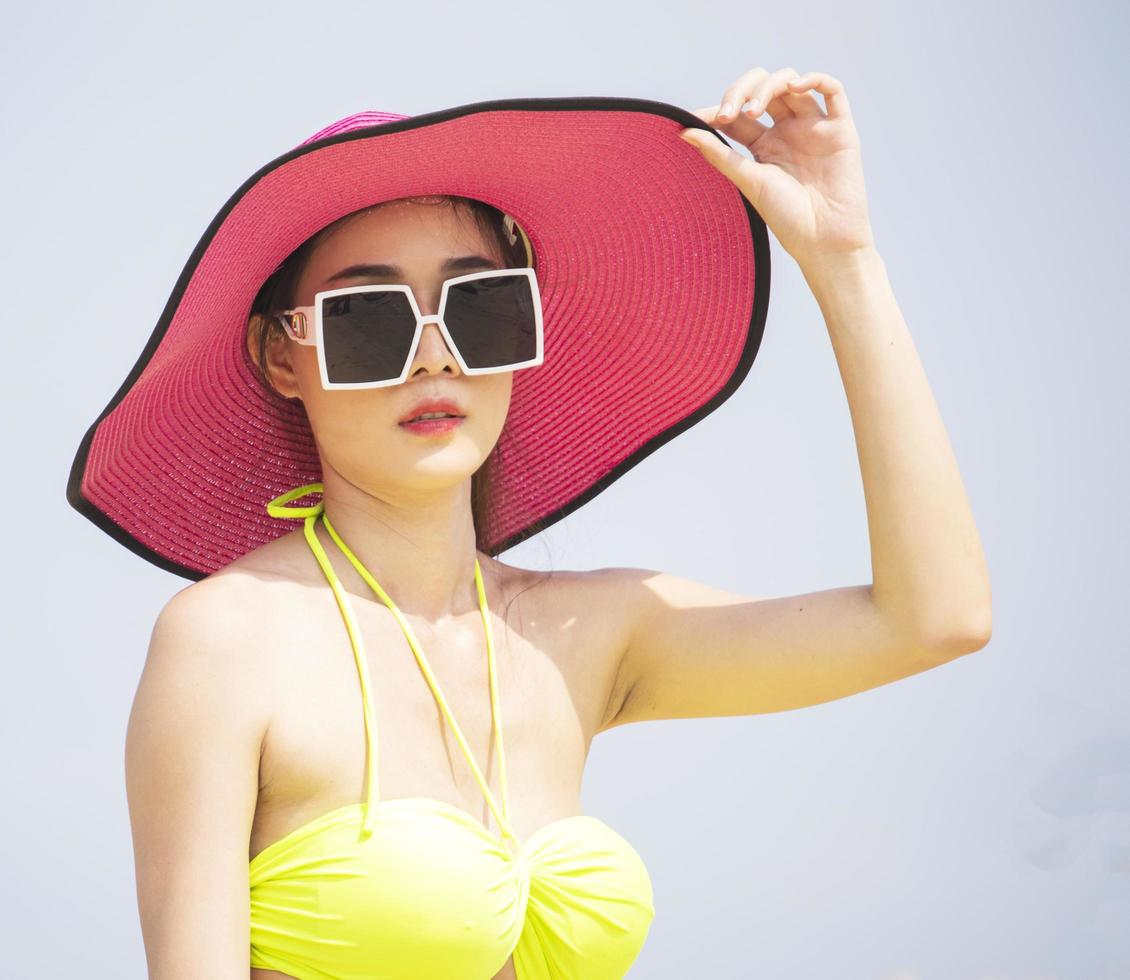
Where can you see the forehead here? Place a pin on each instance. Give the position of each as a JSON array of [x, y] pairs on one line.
[[414, 231], [419, 240]]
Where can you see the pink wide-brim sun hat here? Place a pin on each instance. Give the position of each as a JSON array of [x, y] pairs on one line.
[[654, 277]]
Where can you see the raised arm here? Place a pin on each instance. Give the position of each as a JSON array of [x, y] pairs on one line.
[[696, 651], [192, 774], [693, 650]]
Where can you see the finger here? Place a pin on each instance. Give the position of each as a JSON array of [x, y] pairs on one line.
[[769, 95], [743, 129], [803, 102], [828, 86], [738, 93], [749, 175]]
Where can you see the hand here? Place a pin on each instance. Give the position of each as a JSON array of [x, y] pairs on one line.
[[806, 175]]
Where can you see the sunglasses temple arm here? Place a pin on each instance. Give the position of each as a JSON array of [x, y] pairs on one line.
[[299, 324]]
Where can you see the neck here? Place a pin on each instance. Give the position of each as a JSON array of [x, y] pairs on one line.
[[418, 544]]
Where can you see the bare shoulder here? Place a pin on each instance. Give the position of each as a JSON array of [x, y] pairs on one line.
[[228, 618], [579, 617], [231, 599], [563, 590], [559, 596]]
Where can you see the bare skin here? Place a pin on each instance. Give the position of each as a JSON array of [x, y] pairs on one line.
[[555, 674], [248, 723]]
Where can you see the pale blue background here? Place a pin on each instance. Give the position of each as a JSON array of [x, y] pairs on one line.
[[970, 823]]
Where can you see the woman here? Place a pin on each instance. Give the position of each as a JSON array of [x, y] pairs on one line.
[[246, 739]]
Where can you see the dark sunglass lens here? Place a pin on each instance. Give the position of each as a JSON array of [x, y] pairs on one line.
[[492, 321], [367, 335]]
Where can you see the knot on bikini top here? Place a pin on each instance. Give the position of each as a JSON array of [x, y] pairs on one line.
[[278, 508]]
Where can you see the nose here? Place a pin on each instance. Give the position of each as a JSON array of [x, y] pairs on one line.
[[432, 353]]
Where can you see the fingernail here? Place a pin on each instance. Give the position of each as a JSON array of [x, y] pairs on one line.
[[726, 109], [754, 106]]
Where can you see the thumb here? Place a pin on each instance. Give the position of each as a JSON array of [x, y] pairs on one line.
[[743, 171]]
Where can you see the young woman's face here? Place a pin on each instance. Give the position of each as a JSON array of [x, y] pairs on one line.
[[358, 432]]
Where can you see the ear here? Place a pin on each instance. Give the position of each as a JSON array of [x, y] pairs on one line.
[[278, 364]]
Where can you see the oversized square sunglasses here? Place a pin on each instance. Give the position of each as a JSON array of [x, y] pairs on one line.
[[367, 336]]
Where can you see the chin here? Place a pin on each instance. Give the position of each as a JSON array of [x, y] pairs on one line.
[[437, 462]]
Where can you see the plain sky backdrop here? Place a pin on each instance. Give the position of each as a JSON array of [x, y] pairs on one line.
[[968, 823]]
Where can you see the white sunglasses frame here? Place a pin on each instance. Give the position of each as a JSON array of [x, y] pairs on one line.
[[295, 322]]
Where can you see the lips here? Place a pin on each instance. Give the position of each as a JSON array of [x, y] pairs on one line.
[[446, 405]]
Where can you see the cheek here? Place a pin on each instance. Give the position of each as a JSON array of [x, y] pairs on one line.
[[304, 360], [496, 398], [489, 400], [356, 433], [342, 418]]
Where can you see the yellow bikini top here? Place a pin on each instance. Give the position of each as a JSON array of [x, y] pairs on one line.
[[419, 888]]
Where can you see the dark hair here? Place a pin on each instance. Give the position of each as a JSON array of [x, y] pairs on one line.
[[278, 293]]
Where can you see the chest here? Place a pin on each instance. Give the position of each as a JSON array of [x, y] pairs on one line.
[[554, 672]]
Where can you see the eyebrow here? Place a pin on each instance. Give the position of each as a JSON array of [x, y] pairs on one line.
[[463, 263]]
